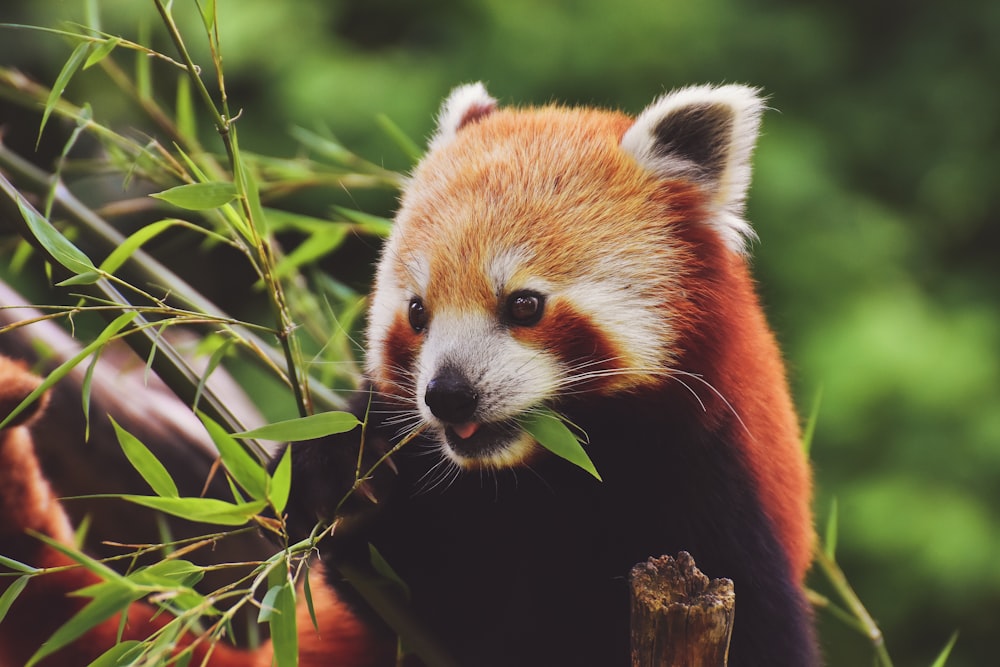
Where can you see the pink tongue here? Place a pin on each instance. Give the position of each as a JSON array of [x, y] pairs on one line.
[[465, 430]]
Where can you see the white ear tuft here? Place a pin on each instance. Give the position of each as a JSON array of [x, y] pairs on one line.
[[705, 134], [465, 104]]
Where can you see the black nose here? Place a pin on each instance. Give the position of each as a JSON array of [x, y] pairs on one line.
[[450, 397]]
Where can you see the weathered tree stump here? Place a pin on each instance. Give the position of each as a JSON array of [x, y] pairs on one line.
[[679, 617]]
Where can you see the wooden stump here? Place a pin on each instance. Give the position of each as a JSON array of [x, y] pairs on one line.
[[679, 617]]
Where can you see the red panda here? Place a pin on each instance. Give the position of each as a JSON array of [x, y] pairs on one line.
[[592, 264]]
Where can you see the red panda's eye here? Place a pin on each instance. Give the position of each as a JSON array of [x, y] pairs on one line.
[[417, 314], [525, 308]]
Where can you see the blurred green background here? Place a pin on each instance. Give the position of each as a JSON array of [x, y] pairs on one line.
[[875, 197]]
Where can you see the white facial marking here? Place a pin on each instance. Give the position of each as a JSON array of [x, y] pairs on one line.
[[508, 376], [504, 266]]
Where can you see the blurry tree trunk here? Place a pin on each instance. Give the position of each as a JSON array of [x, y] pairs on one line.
[[679, 617]]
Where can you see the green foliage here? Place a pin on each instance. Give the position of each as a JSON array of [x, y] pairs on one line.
[[549, 430], [216, 198]]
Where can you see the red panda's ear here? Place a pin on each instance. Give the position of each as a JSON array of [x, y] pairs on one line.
[[466, 104], [705, 134]]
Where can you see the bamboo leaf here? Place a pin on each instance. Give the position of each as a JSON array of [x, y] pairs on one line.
[[248, 472], [400, 138], [16, 565], [305, 428], [137, 239], [10, 595], [247, 185], [59, 248], [85, 390], [314, 248], [810, 427], [146, 463], [85, 278], [281, 482], [117, 655], [278, 609], [112, 599], [102, 51], [82, 121], [208, 14], [946, 651], [307, 592], [549, 430], [199, 196], [384, 570], [213, 362], [328, 148], [830, 540], [95, 566], [371, 224], [69, 69], [64, 368], [168, 573], [203, 510]]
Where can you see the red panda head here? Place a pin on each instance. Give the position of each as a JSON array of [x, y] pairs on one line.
[[537, 257]]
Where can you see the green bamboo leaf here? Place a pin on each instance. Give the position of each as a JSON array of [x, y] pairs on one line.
[[810, 427], [208, 14], [123, 653], [830, 540], [213, 362], [16, 565], [83, 120], [69, 69], [305, 428], [137, 239], [281, 482], [169, 573], [85, 278], [328, 148], [400, 138], [946, 651], [550, 432], [95, 566], [10, 595], [85, 390], [199, 196], [248, 185], [278, 609], [371, 224], [59, 248], [102, 51], [384, 570], [146, 463], [314, 248], [112, 599], [307, 592], [248, 472], [64, 369], [203, 510]]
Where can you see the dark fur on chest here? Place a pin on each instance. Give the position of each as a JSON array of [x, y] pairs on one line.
[[528, 566]]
